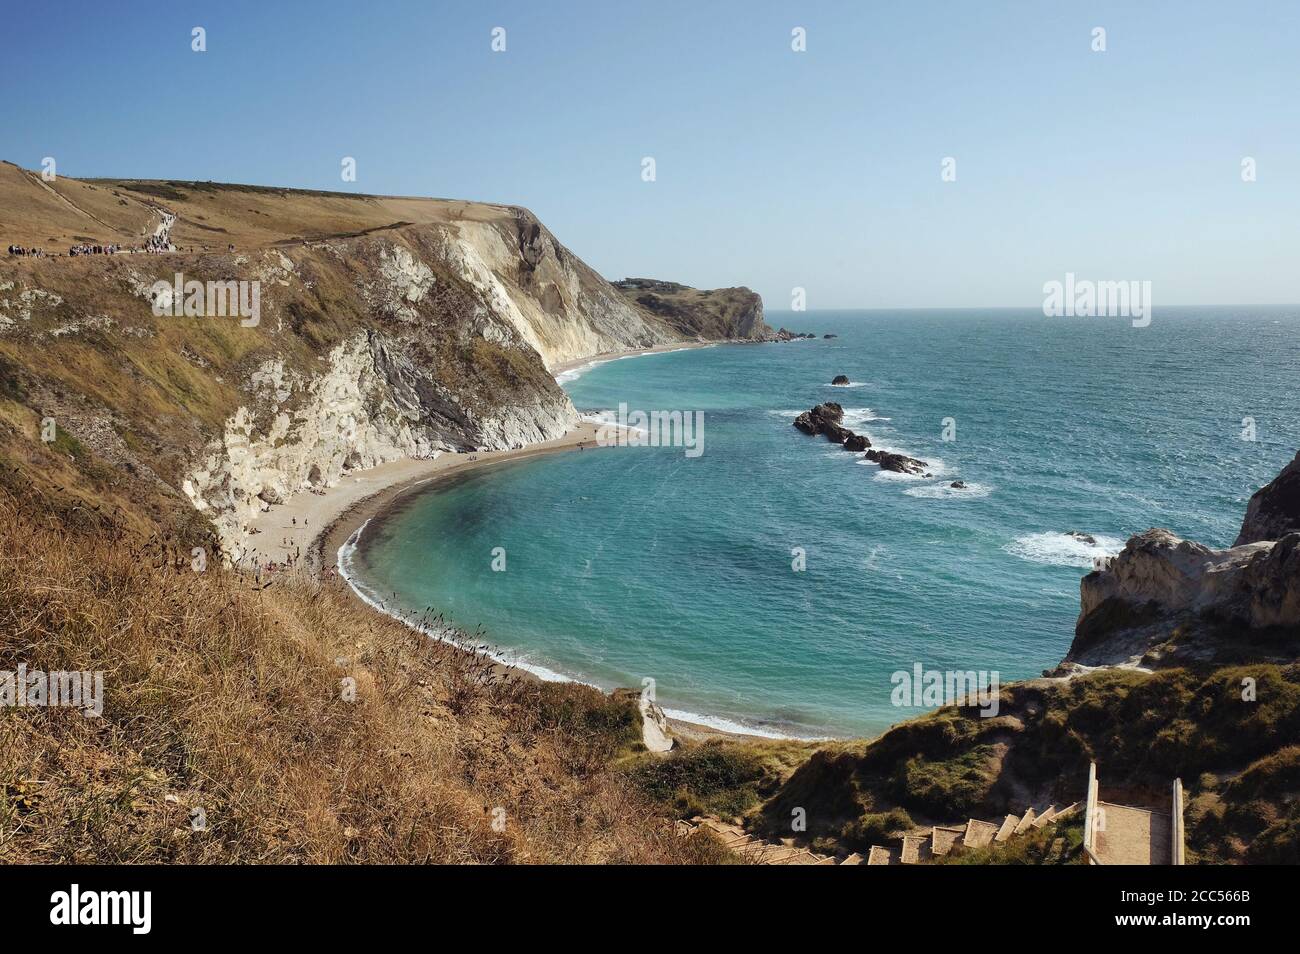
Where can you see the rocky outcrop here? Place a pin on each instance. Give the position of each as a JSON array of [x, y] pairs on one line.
[[783, 334], [1274, 510], [897, 463], [825, 419], [1164, 600], [707, 315], [820, 419], [840, 379]]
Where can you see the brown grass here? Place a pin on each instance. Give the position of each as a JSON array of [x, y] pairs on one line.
[[227, 699]]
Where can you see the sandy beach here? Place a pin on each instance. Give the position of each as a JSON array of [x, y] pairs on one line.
[[566, 366], [303, 528]]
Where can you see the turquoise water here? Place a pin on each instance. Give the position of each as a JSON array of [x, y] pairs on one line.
[[626, 563]]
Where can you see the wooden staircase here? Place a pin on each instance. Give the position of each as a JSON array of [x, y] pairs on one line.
[[937, 841], [915, 847]]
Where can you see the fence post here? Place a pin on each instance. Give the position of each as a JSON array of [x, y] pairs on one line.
[[1176, 828], [1090, 812]]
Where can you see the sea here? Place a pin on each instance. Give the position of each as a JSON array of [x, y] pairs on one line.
[[765, 581]]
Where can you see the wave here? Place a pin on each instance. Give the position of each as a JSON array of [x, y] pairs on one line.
[[564, 377], [1062, 549], [853, 416], [572, 374], [945, 492], [934, 467], [347, 570], [605, 418], [857, 416], [845, 387]]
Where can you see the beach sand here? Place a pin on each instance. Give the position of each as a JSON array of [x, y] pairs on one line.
[[311, 526], [573, 365]]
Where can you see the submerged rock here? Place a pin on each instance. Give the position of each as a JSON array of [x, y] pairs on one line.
[[1087, 538], [958, 485]]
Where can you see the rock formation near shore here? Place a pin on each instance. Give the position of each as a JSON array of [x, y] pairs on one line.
[[826, 419], [388, 328], [1164, 600]]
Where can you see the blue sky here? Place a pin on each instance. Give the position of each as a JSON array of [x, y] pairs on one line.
[[775, 169]]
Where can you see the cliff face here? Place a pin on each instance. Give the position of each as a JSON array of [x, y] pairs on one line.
[[735, 313], [1274, 510], [388, 328]]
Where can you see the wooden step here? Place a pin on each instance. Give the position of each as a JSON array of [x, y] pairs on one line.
[[882, 856], [1026, 820], [916, 848], [1045, 819], [979, 833], [853, 859], [943, 837], [1008, 828], [1067, 811]]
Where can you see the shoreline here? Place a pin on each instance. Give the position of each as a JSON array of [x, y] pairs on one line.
[[585, 364], [316, 525]]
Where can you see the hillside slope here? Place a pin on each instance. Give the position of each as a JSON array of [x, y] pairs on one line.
[[386, 328], [129, 441]]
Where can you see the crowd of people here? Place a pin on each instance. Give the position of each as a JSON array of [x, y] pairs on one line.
[[152, 245]]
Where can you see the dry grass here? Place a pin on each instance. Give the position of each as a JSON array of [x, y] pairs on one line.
[[227, 699]]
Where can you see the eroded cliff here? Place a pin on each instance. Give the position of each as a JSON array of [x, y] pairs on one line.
[[386, 328]]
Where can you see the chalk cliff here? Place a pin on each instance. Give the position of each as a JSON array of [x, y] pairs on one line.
[[389, 327], [1165, 601]]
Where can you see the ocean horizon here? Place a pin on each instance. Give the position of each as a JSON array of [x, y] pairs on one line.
[[628, 564]]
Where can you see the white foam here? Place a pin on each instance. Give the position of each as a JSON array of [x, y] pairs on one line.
[[572, 374], [1061, 549], [857, 416], [933, 466], [606, 418], [727, 725], [841, 387], [564, 377], [946, 492]]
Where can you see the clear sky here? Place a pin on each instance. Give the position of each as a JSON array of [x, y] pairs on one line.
[[775, 169]]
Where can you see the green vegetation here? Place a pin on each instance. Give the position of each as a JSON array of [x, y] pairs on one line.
[[1060, 844], [876, 828], [717, 777], [1142, 729]]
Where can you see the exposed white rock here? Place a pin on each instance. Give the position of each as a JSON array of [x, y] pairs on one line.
[[404, 282], [345, 420]]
